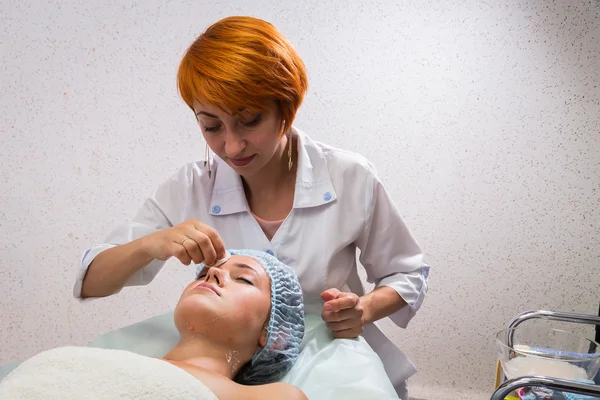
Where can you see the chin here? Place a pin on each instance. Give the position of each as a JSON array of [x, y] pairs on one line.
[[249, 170], [196, 306]]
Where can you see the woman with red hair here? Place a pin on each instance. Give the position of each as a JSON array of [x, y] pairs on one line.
[[271, 187]]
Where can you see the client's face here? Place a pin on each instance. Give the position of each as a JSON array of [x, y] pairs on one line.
[[229, 304]]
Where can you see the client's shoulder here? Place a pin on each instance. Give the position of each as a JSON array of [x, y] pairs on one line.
[[278, 390], [226, 389]]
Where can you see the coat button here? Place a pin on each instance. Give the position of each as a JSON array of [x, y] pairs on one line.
[[327, 196], [216, 209], [270, 252]]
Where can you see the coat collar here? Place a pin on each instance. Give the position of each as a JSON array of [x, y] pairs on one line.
[[313, 181]]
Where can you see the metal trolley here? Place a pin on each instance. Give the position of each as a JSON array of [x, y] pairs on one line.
[[508, 386]]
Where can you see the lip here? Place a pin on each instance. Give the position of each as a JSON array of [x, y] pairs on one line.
[[208, 286], [240, 162]]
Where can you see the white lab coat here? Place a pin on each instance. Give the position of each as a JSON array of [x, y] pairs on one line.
[[339, 205]]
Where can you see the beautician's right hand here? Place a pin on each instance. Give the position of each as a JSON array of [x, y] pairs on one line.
[[189, 241]]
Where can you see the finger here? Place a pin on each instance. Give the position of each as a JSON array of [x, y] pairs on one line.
[[344, 325], [352, 313], [218, 244], [179, 252], [330, 294], [215, 239], [201, 248], [209, 255], [348, 333], [193, 250], [343, 302]]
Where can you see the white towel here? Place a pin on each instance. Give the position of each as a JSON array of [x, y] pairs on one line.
[[70, 373]]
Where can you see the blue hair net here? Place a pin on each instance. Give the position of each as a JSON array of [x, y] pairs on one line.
[[286, 323]]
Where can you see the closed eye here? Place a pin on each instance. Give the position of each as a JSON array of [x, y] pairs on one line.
[[246, 280], [212, 128], [255, 121], [201, 277]]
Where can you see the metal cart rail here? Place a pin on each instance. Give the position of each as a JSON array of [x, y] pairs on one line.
[[509, 386]]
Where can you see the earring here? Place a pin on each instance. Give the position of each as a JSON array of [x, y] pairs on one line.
[[290, 163], [206, 159]]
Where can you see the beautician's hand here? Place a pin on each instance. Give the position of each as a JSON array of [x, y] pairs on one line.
[[343, 313], [189, 241]]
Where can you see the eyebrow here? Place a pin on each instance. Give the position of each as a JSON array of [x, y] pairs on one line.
[[207, 114], [246, 266], [237, 265]]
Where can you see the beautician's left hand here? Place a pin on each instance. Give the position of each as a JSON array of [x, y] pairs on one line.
[[343, 313]]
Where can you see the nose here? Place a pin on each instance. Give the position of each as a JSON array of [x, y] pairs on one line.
[[234, 144], [215, 275]]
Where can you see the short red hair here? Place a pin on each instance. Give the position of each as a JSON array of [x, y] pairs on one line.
[[243, 63]]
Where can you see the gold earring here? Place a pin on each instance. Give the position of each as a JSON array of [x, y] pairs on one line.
[[206, 159], [290, 163]]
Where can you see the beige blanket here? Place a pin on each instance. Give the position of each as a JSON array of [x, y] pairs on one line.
[[70, 373]]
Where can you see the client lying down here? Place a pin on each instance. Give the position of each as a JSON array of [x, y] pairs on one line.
[[240, 326]]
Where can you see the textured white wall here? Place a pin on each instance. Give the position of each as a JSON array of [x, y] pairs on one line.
[[482, 117]]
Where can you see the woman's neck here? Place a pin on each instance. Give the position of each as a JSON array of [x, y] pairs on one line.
[[199, 352], [276, 173]]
